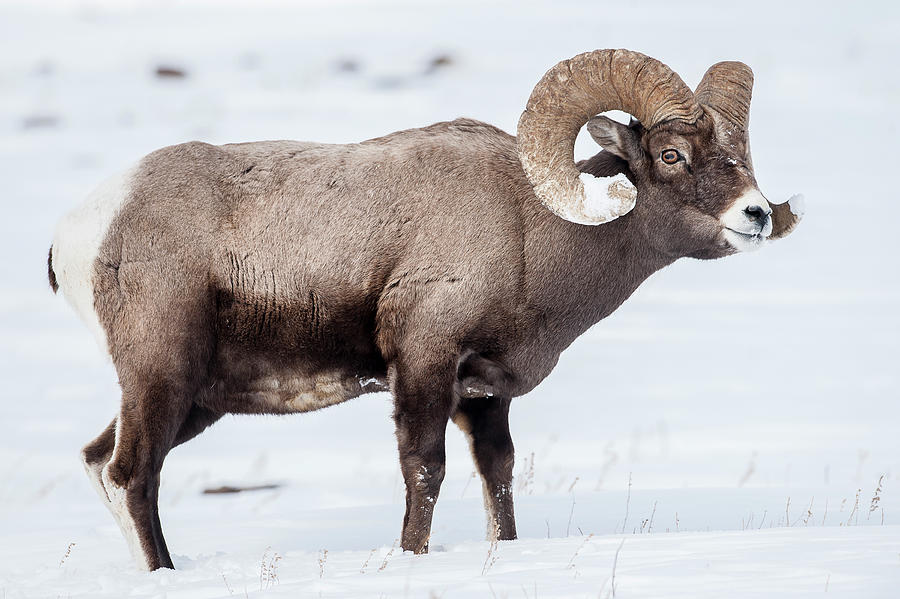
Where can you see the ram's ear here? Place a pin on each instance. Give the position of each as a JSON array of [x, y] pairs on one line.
[[622, 140]]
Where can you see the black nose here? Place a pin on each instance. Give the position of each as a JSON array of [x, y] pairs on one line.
[[757, 214]]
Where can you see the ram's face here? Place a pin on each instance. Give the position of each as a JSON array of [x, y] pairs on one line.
[[697, 194], [689, 157]]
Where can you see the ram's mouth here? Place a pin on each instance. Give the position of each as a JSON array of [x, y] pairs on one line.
[[758, 236], [744, 242]]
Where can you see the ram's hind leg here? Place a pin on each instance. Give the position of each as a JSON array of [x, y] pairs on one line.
[[98, 452], [153, 410], [161, 368], [485, 421]]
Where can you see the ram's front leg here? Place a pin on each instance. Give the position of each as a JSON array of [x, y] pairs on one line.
[[485, 422], [423, 398]]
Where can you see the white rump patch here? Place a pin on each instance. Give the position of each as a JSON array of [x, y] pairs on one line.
[[77, 243]]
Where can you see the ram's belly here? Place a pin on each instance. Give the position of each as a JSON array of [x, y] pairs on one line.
[[276, 378], [288, 394]]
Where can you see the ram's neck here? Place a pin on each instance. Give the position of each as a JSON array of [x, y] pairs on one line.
[[578, 274]]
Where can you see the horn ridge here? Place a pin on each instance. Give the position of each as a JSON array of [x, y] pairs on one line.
[[727, 88], [573, 91]]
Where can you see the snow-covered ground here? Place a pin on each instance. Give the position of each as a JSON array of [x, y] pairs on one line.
[[751, 402]]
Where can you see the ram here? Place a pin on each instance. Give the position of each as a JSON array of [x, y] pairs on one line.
[[450, 265]]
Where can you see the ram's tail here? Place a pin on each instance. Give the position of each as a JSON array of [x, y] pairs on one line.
[[50, 274]]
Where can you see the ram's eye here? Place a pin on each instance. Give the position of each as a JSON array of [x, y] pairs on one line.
[[670, 156]]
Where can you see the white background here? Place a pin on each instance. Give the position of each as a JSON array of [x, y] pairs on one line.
[[736, 395]]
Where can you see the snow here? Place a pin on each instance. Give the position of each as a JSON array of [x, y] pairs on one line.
[[759, 563], [742, 405], [797, 204], [607, 198]]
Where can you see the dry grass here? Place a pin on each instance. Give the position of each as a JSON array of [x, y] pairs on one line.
[[648, 522], [66, 554], [227, 586], [388, 556], [268, 569], [615, 563], [366, 563], [876, 499], [612, 578], [492, 556], [525, 480], [627, 503], [808, 512], [323, 557], [855, 510], [571, 514], [571, 563]]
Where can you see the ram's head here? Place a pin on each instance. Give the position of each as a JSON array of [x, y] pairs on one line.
[[687, 154]]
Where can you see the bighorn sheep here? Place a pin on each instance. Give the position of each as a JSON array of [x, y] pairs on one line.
[[280, 276]]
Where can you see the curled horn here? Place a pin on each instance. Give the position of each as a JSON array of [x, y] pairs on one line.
[[727, 88], [572, 92]]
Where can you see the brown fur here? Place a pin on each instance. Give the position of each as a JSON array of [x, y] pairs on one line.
[[278, 277]]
